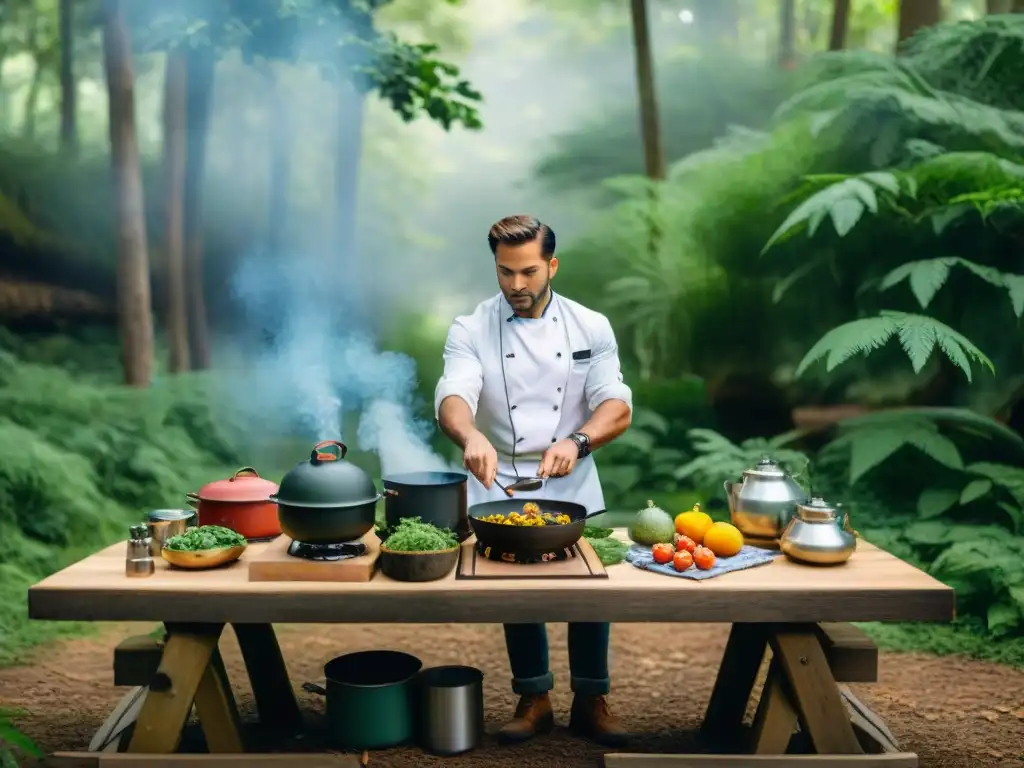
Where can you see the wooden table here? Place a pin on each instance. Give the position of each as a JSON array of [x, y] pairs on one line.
[[777, 607]]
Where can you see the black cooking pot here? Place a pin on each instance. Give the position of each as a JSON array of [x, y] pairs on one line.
[[326, 500], [438, 498]]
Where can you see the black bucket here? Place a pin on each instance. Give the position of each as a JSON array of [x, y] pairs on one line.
[[438, 498]]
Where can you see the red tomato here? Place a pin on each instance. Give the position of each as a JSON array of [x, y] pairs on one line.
[[704, 558], [662, 553], [682, 560], [685, 543]]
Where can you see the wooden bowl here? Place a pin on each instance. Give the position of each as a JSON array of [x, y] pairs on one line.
[[200, 559], [418, 566]]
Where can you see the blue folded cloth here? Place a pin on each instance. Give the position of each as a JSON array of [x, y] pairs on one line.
[[748, 557]]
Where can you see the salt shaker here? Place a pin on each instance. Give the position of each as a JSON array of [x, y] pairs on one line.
[[139, 559]]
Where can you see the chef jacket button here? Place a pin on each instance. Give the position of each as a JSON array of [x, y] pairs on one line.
[[520, 439], [555, 319], [559, 354], [554, 408], [559, 389], [514, 407], [554, 439]]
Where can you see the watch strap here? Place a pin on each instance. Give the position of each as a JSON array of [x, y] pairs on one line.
[[582, 443]]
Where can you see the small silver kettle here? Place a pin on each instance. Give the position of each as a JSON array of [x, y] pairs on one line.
[[815, 535]]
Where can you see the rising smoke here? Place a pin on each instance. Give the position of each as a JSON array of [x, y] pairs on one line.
[[309, 363]]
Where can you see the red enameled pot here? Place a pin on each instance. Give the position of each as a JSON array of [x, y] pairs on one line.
[[241, 503]]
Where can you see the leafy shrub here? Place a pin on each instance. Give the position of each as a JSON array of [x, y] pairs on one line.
[[80, 459]]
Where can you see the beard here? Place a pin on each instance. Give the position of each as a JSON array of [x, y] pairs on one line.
[[525, 302]]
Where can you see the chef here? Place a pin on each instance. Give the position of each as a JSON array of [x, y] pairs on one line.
[[531, 387]]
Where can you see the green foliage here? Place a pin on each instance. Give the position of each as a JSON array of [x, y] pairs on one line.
[[339, 37], [80, 460], [967, 524], [13, 741], [640, 458], [918, 336], [719, 460]]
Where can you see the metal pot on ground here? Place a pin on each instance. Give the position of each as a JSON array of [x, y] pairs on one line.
[[326, 500], [242, 502], [371, 699], [438, 498]]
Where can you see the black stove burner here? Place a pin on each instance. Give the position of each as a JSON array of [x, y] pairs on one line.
[[326, 552], [524, 558]]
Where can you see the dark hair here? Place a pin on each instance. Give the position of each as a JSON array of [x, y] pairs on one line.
[[516, 230]]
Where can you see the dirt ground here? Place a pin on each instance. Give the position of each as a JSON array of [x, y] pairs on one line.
[[951, 711]]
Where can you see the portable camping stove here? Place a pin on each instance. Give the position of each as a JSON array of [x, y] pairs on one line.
[[525, 558], [326, 552]]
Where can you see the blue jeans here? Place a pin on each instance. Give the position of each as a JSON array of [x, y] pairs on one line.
[[527, 646]]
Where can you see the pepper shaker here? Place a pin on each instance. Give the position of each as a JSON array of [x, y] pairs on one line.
[[139, 559]]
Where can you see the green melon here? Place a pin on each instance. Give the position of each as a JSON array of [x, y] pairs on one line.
[[652, 525]]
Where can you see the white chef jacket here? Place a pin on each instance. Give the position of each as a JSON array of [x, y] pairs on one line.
[[531, 382]]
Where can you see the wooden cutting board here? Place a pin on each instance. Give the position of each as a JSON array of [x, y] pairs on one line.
[[275, 564]]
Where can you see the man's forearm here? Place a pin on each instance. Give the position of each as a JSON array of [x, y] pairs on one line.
[[456, 420], [609, 420]]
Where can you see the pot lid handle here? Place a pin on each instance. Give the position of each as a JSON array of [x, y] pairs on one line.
[[243, 471], [321, 452]]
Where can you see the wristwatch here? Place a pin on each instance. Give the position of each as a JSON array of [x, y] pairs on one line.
[[582, 444]]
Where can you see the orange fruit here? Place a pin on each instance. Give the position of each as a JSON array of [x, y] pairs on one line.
[[693, 523], [724, 539], [703, 558]]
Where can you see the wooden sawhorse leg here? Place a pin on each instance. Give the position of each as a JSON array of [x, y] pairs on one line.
[[190, 672], [271, 688], [723, 721], [801, 688]]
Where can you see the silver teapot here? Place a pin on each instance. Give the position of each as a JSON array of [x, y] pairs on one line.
[[762, 503], [816, 536]]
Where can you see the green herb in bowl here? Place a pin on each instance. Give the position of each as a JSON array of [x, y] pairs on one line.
[[413, 535], [205, 537]]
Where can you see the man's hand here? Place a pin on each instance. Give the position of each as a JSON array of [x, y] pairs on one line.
[[480, 458], [559, 459]]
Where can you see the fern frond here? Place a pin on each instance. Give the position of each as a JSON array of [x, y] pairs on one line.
[[927, 276], [844, 202], [956, 418], [918, 336], [872, 444]]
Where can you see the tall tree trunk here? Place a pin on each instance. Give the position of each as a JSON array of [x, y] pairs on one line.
[[68, 84], [200, 85], [28, 120], [998, 6], [280, 164], [915, 15], [840, 21], [135, 315], [28, 125], [650, 130], [1017, 7], [654, 155], [787, 34], [175, 158], [351, 109]]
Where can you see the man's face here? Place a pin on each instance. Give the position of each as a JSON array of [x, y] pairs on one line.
[[524, 275]]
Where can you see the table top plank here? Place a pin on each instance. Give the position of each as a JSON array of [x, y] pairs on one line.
[[872, 586]]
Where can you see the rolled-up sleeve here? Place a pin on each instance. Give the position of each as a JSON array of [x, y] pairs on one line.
[[463, 374], [604, 379]]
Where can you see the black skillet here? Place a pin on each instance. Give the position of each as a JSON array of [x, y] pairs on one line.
[[528, 539]]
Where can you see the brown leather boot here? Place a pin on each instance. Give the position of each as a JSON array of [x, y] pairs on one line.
[[591, 718], [533, 715]]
